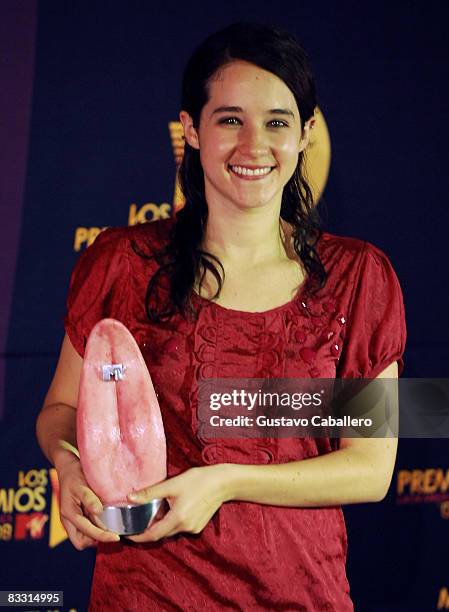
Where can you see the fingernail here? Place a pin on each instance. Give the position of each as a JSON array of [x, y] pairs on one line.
[[134, 496]]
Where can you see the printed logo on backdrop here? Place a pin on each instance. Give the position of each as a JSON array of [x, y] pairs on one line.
[[317, 163], [424, 486], [443, 599], [25, 512], [148, 212]]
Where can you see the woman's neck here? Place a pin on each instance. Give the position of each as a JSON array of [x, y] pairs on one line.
[[250, 238]]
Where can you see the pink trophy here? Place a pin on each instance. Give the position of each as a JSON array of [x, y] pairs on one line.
[[120, 433]]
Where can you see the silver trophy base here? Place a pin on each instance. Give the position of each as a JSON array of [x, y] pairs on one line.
[[130, 519]]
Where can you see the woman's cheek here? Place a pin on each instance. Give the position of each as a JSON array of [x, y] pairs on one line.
[[215, 149], [290, 146]]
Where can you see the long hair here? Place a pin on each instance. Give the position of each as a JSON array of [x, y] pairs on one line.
[[183, 261]]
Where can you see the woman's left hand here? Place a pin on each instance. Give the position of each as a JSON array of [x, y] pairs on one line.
[[194, 496]]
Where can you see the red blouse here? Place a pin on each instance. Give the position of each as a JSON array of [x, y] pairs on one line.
[[249, 556]]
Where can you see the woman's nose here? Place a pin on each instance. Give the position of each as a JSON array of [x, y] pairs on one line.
[[253, 141]]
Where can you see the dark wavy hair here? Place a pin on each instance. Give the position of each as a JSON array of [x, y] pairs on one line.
[[182, 261]]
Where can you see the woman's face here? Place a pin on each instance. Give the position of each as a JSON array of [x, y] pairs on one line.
[[249, 137]]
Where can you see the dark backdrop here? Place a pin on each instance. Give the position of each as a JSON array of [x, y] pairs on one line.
[[90, 90]]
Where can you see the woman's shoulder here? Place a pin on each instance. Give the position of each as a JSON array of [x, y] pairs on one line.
[[329, 242], [153, 231], [350, 262], [334, 248], [152, 235]]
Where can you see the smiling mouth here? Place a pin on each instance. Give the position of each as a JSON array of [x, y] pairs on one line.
[[250, 173]]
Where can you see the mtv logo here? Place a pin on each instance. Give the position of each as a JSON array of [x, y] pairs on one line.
[[30, 526]]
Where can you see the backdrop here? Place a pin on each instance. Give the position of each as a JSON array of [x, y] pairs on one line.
[[90, 139]]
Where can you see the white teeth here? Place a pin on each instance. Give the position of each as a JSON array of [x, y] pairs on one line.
[[249, 172]]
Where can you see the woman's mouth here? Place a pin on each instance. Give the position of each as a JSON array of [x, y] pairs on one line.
[[244, 172]]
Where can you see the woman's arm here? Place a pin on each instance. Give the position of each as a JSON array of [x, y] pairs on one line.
[[57, 421], [360, 471]]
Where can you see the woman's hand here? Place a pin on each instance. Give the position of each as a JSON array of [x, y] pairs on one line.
[[193, 496], [78, 508]]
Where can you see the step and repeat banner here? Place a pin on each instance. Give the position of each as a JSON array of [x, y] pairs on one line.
[[91, 139]]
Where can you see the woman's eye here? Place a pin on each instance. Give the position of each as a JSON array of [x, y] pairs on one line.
[[236, 121], [278, 123], [230, 121]]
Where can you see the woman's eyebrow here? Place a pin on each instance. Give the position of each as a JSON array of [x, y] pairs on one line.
[[228, 109], [239, 109], [282, 111]]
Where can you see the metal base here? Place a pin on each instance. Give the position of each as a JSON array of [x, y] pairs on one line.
[[131, 519]]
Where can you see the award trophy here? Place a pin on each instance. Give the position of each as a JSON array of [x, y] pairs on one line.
[[120, 433]]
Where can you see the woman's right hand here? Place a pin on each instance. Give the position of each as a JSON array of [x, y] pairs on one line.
[[79, 507]]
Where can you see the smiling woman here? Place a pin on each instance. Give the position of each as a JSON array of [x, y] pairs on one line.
[[248, 101], [247, 156], [243, 284], [247, 159]]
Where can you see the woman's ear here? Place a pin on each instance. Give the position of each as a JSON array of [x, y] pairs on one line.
[[305, 136], [190, 133]]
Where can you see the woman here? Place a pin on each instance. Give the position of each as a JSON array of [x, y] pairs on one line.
[[243, 285]]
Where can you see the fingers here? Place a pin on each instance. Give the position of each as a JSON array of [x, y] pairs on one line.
[[85, 526], [169, 526], [82, 533], [79, 540], [190, 507], [139, 538], [80, 528], [79, 509], [171, 487], [158, 530], [158, 491], [90, 501]]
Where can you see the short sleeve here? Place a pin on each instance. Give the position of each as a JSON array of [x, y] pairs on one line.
[[376, 330], [98, 286]]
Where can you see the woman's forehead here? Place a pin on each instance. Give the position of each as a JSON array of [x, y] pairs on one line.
[[241, 81]]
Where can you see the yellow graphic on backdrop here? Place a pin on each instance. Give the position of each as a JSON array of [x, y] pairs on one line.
[[177, 140], [57, 532], [29, 496], [5, 532], [140, 215], [21, 507], [424, 486], [423, 482], [444, 510], [443, 599], [84, 236]]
